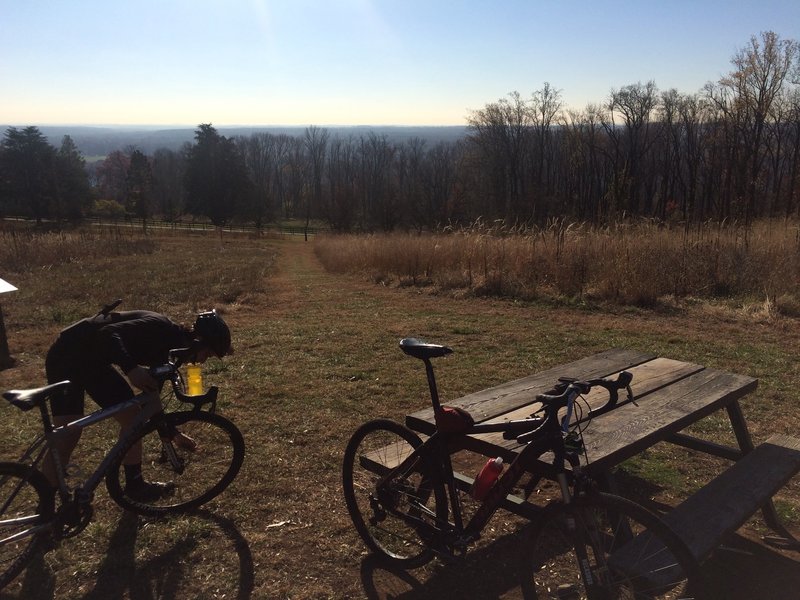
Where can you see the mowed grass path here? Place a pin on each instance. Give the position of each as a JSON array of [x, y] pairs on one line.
[[316, 355]]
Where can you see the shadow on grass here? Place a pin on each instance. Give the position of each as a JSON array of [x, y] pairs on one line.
[[487, 572], [165, 572], [740, 570], [743, 569], [163, 575]]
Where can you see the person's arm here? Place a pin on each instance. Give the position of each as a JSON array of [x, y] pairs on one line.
[[141, 378], [110, 341]]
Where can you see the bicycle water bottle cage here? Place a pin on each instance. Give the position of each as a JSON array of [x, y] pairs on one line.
[[210, 397], [453, 420]]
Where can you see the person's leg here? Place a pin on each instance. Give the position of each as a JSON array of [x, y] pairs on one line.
[[65, 408], [64, 446], [109, 387]]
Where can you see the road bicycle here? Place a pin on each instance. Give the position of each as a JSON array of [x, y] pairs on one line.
[[197, 450], [407, 501]]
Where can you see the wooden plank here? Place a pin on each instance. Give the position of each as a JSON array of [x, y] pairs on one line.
[[647, 378], [509, 396], [699, 445], [630, 428], [708, 517], [725, 504], [511, 502], [623, 433]]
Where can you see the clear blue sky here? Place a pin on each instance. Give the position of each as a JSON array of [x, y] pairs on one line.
[[352, 62]]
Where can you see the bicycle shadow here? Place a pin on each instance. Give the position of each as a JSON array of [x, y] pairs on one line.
[[120, 575], [491, 571]]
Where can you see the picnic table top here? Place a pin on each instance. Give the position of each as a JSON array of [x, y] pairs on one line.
[[669, 395]]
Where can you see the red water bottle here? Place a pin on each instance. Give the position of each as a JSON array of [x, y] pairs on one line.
[[487, 477]]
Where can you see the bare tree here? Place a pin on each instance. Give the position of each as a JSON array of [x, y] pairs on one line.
[[635, 104], [501, 132], [339, 206], [746, 96], [546, 105], [168, 173], [316, 143]]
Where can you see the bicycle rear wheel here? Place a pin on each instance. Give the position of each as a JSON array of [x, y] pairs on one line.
[[592, 532], [198, 473], [26, 516], [395, 513]]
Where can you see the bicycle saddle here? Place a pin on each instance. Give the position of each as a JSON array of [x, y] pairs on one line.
[[28, 399], [423, 350]]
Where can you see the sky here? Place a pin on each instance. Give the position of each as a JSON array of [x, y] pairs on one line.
[[353, 62]]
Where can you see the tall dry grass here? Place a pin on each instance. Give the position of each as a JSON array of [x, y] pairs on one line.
[[628, 264]]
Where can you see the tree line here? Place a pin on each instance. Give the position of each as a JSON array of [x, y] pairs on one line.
[[728, 151]]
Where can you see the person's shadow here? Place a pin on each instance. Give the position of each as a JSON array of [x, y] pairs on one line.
[[119, 576]]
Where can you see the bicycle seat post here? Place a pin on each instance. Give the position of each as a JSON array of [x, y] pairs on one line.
[[432, 385]]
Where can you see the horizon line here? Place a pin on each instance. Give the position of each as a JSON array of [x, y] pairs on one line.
[[185, 126]]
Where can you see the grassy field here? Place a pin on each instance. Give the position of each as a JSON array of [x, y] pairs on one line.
[[316, 355]]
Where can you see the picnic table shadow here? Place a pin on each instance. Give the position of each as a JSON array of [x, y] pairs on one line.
[[490, 571], [120, 575], [743, 569]]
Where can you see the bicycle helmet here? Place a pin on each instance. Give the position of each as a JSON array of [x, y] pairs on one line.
[[212, 331]]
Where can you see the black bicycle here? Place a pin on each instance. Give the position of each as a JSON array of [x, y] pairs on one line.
[[407, 501], [197, 450]]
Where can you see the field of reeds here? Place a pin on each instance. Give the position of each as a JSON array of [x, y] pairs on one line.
[[636, 264]]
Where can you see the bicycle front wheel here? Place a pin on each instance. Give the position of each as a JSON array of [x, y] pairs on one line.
[[196, 454], [395, 511], [26, 517], [577, 552]]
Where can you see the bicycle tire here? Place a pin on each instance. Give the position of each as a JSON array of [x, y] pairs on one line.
[[551, 564], [373, 449], [201, 474], [27, 509]]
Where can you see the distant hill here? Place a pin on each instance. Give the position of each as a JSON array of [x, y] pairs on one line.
[[94, 142]]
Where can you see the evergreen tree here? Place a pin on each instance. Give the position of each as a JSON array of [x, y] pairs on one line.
[[216, 177], [28, 172], [73, 192]]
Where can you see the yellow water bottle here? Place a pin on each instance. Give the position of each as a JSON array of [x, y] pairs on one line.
[[194, 379]]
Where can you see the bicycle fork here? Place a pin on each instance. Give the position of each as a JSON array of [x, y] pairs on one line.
[[583, 534], [168, 453]]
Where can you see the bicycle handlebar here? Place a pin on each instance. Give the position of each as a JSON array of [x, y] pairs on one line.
[[563, 395], [560, 394], [169, 371]]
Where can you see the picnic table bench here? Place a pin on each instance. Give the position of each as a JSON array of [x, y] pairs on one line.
[[669, 396]]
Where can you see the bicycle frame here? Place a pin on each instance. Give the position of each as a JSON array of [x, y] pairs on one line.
[[437, 447], [546, 434], [150, 405]]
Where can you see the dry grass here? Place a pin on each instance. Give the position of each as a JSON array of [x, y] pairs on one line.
[[316, 356], [625, 264]]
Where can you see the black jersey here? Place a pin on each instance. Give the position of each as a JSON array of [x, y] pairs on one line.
[[126, 339]]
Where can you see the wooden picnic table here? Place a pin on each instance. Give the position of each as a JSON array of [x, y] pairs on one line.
[[669, 396]]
